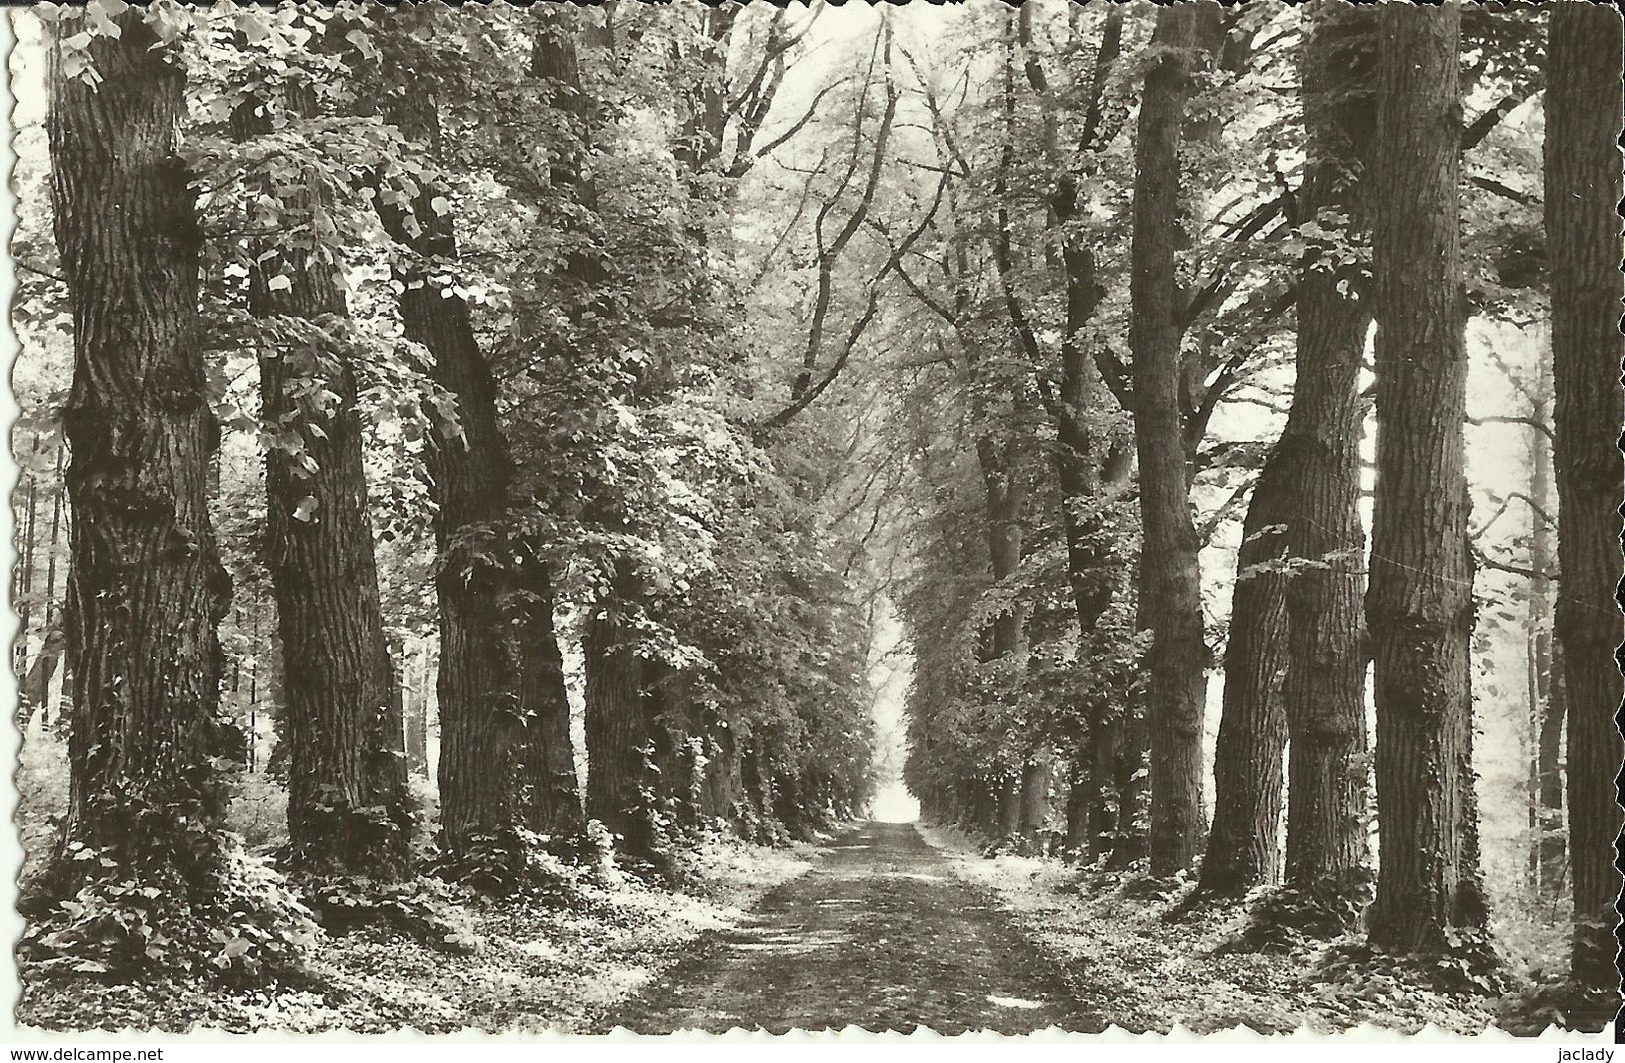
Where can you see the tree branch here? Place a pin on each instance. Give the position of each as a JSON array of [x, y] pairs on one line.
[[1475, 132]]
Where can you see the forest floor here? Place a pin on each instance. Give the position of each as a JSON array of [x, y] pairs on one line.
[[1146, 960], [880, 934], [531, 967], [886, 927]]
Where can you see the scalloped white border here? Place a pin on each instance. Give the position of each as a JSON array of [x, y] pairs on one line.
[[1114, 1043]]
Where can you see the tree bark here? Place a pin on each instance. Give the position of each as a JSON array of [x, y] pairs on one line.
[[1006, 498], [1243, 849], [1170, 576], [618, 687], [506, 757], [1084, 468], [1583, 187], [146, 587], [23, 578], [619, 721], [1035, 803], [1324, 693], [1420, 595], [1078, 800], [347, 811]]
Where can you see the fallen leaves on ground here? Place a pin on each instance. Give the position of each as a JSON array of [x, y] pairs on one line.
[[537, 967], [1141, 970]]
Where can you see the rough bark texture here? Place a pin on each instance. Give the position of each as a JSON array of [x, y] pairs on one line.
[[1078, 799], [146, 587], [619, 706], [552, 798], [1170, 577], [619, 726], [1583, 186], [1420, 594], [1243, 849], [347, 808], [1324, 691], [505, 757]]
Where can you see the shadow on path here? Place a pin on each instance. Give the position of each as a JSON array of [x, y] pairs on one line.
[[879, 934]]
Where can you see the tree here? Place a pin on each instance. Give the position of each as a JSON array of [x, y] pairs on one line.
[[620, 708], [1419, 599], [1583, 189], [1089, 470], [1243, 848], [1324, 689], [347, 810], [506, 757], [1170, 577], [145, 872]]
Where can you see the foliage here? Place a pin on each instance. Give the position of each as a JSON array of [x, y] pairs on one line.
[[537, 966], [241, 925]]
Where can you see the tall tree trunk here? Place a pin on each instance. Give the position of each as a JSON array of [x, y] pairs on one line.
[[145, 582], [1083, 466], [1420, 595], [1547, 849], [23, 575], [1035, 805], [1170, 576], [1079, 796], [1552, 851], [1324, 691], [552, 795], [55, 637], [619, 708], [1006, 499], [347, 811], [417, 716], [619, 726], [1583, 187], [35, 689], [1244, 847], [506, 757]]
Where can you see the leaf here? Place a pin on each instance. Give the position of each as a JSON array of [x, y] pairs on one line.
[[440, 205], [251, 24], [279, 283], [305, 509]]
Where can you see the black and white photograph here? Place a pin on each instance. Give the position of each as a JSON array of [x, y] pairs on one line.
[[1050, 518]]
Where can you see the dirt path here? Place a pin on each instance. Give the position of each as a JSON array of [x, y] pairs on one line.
[[879, 934]]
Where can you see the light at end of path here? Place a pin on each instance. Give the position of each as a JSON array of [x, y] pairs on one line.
[[895, 804]]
